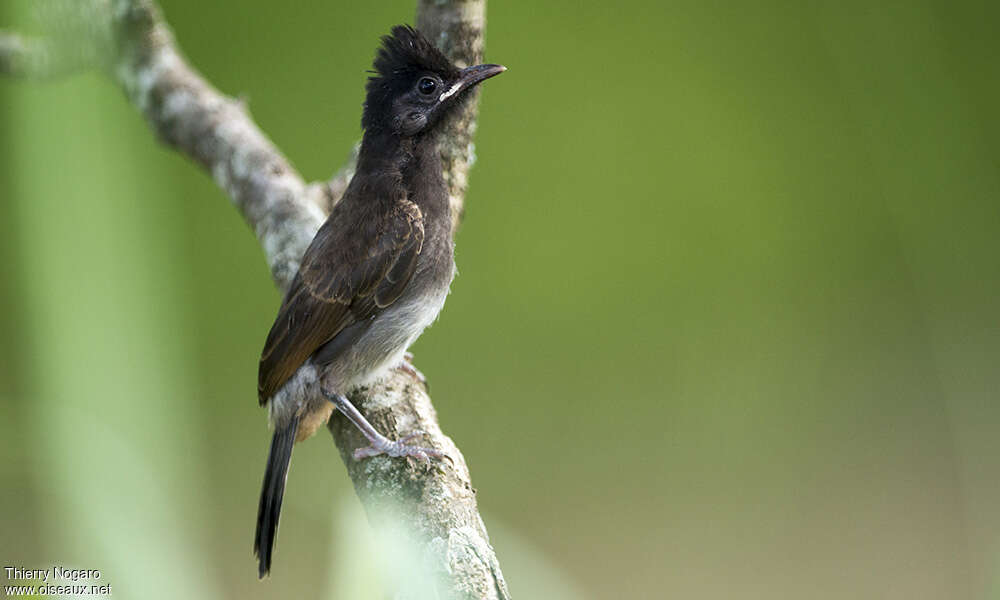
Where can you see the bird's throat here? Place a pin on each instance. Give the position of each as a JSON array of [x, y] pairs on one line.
[[389, 162], [384, 151]]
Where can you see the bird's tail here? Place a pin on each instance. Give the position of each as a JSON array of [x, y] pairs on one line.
[[271, 494]]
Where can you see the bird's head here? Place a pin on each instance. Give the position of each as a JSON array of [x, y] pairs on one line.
[[414, 85]]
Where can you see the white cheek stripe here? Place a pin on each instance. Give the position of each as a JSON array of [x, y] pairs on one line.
[[451, 92]]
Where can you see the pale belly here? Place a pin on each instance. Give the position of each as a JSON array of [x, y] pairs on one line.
[[382, 347], [370, 358]]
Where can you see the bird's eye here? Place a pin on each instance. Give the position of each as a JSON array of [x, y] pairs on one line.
[[426, 85]]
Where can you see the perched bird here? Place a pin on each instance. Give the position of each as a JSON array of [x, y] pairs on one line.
[[377, 272]]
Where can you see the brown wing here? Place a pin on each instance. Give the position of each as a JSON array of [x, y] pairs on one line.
[[349, 273]]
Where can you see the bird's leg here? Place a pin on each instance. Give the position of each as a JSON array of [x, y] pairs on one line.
[[379, 443], [407, 367]]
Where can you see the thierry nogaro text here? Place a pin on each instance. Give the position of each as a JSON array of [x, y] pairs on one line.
[[49, 576]]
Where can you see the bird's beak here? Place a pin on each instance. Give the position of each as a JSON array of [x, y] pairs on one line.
[[470, 77]]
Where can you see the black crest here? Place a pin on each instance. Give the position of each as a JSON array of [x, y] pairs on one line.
[[405, 54]]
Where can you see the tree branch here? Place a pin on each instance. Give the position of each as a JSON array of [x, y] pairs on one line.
[[186, 112], [36, 58], [428, 508]]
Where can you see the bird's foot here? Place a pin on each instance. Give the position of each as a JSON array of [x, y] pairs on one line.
[[397, 449], [407, 367], [379, 443]]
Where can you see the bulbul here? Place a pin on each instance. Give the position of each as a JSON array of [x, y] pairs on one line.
[[377, 272]]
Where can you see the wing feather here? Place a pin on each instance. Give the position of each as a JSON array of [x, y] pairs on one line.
[[350, 272]]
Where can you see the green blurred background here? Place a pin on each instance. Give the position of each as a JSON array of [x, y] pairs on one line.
[[726, 324]]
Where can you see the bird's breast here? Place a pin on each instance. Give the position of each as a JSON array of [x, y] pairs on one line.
[[424, 297], [397, 326]]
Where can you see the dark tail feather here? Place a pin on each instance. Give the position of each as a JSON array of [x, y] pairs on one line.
[[271, 494]]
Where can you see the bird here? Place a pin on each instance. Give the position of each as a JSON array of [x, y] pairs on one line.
[[377, 272]]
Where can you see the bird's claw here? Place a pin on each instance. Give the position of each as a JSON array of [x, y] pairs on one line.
[[398, 449], [407, 367]]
